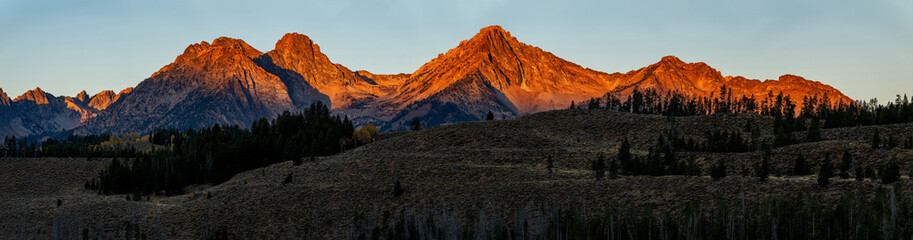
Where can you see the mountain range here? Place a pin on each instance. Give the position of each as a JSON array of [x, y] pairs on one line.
[[230, 82]]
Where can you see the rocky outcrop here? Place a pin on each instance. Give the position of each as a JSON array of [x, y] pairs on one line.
[[125, 91], [85, 111], [102, 99]]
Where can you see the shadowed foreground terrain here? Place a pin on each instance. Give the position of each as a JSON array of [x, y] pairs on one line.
[[481, 180]]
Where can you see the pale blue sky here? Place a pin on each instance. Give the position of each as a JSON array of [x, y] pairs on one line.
[[863, 48]]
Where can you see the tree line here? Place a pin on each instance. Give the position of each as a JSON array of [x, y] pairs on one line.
[[87, 146], [783, 107]]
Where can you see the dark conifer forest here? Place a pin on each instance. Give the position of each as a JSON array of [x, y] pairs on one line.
[[213, 155]]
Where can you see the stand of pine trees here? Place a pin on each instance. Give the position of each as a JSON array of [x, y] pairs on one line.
[[213, 155]]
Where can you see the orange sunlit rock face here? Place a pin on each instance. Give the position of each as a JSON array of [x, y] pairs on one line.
[[104, 98]]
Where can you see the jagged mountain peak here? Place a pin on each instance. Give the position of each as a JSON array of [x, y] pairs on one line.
[[296, 41], [297, 52], [490, 40], [4, 99], [223, 51], [534, 79], [297, 60], [195, 48], [493, 32], [791, 78], [234, 45], [36, 95], [671, 60], [82, 96], [493, 29]]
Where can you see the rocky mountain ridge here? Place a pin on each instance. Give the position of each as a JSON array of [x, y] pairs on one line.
[[231, 83], [38, 113]]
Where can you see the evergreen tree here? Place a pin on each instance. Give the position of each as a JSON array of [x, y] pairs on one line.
[[624, 157], [870, 172], [549, 164], [593, 104], [762, 169], [613, 167], [800, 166], [416, 124], [825, 173], [692, 168], [891, 143], [876, 140], [398, 189], [890, 173], [598, 167], [491, 116], [655, 166], [814, 131], [860, 175], [718, 170], [572, 105], [783, 136], [846, 161]]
